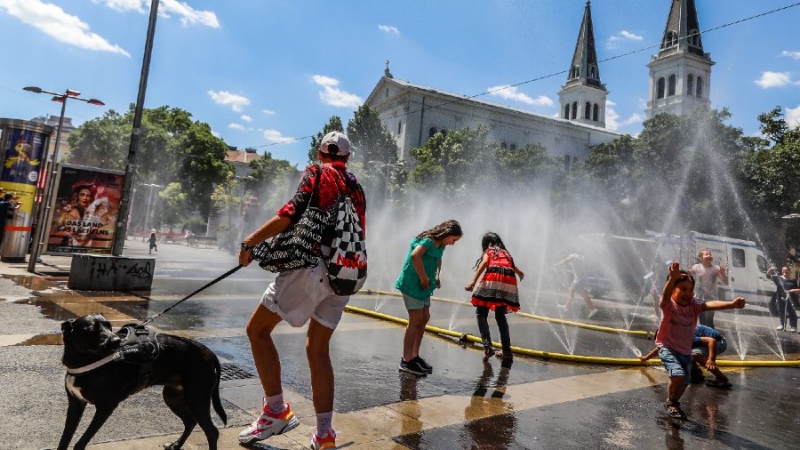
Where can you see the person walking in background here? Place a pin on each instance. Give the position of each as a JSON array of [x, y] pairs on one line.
[[418, 279], [302, 294], [6, 206], [707, 275], [497, 291], [680, 310], [577, 262], [153, 243], [786, 287]]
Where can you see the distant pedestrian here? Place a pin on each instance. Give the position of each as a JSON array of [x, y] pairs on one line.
[[497, 291], [786, 288], [153, 243], [418, 279], [6, 206], [579, 280], [708, 275]]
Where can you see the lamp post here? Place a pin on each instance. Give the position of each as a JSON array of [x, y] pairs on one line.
[[45, 201], [149, 202]]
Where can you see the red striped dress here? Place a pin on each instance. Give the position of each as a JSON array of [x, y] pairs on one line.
[[498, 286]]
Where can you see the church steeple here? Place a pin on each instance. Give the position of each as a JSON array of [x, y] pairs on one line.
[[680, 74], [583, 97]]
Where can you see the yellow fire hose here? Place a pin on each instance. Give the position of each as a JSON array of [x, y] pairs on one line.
[[557, 356]]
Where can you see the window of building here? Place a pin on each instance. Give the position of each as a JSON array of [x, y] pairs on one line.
[[592, 72], [699, 92], [503, 145], [660, 88], [574, 110], [399, 127], [690, 85], [513, 147], [576, 72], [595, 112], [386, 94], [693, 38], [587, 111], [566, 111], [673, 80], [431, 132], [671, 39], [444, 132]]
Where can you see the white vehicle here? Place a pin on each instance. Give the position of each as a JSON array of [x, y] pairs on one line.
[[747, 265]]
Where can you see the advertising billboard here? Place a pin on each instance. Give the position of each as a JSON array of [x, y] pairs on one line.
[[85, 209]]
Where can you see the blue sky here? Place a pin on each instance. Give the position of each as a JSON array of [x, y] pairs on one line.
[[262, 72]]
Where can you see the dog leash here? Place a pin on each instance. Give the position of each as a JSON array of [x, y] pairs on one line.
[[214, 281]]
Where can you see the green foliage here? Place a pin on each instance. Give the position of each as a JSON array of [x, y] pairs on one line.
[[174, 207], [268, 181], [334, 124], [369, 138]]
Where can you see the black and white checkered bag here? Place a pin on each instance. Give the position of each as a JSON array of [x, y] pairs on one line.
[[347, 266]]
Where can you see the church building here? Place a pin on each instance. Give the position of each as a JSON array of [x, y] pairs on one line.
[[679, 82]]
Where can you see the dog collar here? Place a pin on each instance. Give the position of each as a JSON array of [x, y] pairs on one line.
[[112, 357]]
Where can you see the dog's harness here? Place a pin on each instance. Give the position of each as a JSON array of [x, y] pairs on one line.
[[138, 346]]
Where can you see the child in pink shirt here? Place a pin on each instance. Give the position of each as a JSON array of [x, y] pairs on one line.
[[680, 309]]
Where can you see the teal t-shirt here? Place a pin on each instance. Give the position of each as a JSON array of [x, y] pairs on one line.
[[408, 282]]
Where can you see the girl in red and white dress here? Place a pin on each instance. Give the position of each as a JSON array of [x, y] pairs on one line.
[[496, 291]]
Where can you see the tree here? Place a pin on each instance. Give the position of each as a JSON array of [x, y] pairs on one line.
[[268, 181], [173, 205], [101, 142], [334, 124], [369, 138]]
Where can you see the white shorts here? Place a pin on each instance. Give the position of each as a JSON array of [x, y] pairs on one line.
[[300, 294]]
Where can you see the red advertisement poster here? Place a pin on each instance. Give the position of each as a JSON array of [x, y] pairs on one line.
[[84, 216]]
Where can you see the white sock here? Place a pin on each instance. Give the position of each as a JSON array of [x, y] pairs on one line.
[[324, 423], [276, 404]]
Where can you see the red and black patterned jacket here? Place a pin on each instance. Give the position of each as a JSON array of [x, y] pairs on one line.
[[334, 179]]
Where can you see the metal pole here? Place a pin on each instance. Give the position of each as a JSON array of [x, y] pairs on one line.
[[130, 168], [44, 204]]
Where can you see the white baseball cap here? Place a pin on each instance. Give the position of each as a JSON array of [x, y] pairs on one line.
[[341, 146]]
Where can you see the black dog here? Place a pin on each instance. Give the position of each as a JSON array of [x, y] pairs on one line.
[[104, 369]]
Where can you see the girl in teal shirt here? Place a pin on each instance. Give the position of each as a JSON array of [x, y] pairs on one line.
[[422, 265]]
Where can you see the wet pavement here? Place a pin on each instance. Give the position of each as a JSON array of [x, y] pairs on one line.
[[465, 404]]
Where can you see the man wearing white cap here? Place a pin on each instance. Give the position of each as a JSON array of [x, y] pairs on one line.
[[299, 295]]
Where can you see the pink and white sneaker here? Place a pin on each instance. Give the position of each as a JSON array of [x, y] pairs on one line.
[[269, 424], [326, 442]]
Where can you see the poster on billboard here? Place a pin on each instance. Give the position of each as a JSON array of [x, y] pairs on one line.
[[84, 212], [22, 164]]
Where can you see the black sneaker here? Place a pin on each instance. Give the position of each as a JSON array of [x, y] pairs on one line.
[[412, 367], [424, 364]]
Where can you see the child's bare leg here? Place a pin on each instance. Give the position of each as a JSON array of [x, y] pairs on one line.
[[570, 295], [587, 299], [413, 334], [675, 388]]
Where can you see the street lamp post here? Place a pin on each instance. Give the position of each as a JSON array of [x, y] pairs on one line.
[[44, 204], [149, 202]]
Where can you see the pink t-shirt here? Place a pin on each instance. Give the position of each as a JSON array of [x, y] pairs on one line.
[[677, 326]]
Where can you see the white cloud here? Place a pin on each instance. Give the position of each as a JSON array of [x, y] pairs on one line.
[[56, 23], [511, 93], [625, 36], [793, 55], [187, 14], [388, 29], [333, 96], [793, 116], [774, 79], [612, 118], [268, 112], [276, 136], [236, 126], [246, 118], [236, 102]]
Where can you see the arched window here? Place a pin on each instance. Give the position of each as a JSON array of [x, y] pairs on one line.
[[503, 145], [690, 85], [693, 38], [444, 132], [587, 111], [574, 110], [671, 87], [595, 111], [699, 87], [566, 111], [576, 72], [592, 72], [671, 39], [512, 147], [399, 126], [660, 88], [431, 132]]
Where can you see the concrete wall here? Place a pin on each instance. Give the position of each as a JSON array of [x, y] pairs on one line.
[[111, 273]]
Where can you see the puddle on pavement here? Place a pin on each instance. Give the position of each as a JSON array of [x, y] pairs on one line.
[[44, 339], [33, 283], [49, 309]]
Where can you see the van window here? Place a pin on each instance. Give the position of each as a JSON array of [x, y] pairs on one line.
[[738, 257], [762, 263]]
